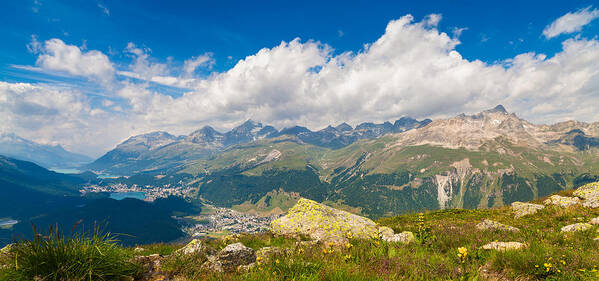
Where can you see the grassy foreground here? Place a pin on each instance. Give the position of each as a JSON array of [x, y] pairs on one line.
[[447, 248]]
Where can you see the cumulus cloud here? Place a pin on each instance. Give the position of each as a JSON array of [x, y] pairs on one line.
[[55, 55], [570, 22], [413, 69], [56, 116]]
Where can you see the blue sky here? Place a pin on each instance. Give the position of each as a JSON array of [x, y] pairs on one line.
[[179, 65], [496, 30]]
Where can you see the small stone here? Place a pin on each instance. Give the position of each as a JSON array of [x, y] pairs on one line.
[[196, 246], [504, 246], [522, 209], [230, 258], [562, 201], [493, 225], [595, 221], [246, 267], [576, 227], [405, 237], [385, 232], [151, 267], [590, 194], [587, 191], [212, 264], [591, 202]]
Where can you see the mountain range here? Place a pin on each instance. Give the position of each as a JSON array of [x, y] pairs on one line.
[[48, 156], [488, 159], [163, 151]]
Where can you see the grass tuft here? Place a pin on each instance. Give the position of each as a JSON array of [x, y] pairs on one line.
[[83, 255]]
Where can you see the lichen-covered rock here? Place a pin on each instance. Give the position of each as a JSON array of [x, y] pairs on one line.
[[212, 264], [323, 223], [590, 194], [562, 201], [493, 225], [576, 227], [405, 237], [504, 246], [151, 267], [595, 221], [522, 209], [196, 246], [587, 191], [230, 258], [591, 202], [385, 232]]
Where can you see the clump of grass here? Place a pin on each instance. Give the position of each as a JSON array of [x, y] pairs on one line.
[[82, 255]]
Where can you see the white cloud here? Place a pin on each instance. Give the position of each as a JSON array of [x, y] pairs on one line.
[[190, 65], [142, 66], [104, 9], [413, 69], [570, 22], [51, 115], [56, 55]]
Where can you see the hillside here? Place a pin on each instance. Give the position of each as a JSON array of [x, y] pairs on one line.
[[554, 238], [27, 187], [491, 158], [34, 195]]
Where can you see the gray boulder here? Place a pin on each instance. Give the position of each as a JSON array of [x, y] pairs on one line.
[[522, 209], [230, 259]]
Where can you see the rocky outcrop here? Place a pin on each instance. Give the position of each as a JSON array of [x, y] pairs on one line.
[[562, 201], [504, 246], [323, 223], [590, 194], [576, 227], [196, 246], [493, 225], [230, 259], [522, 209]]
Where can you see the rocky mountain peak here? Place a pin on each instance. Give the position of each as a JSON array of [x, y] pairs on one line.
[[205, 135], [498, 108], [150, 140], [344, 127], [471, 131], [247, 126]]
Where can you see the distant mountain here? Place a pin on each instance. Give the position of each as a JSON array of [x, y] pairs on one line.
[[47, 156], [160, 151], [344, 135]]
